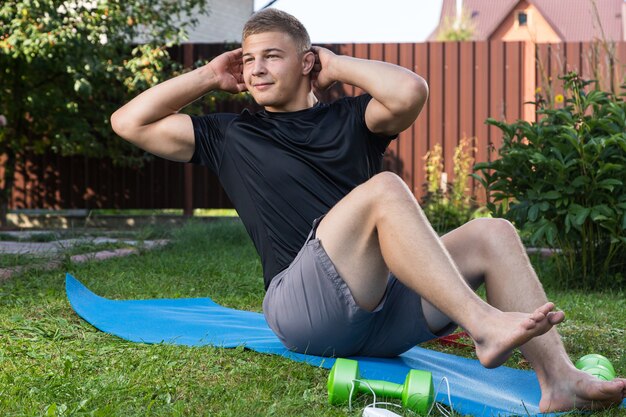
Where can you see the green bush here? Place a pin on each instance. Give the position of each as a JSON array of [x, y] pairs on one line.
[[448, 205], [562, 180]]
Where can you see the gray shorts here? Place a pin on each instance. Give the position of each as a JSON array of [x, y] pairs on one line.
[[311, 310]]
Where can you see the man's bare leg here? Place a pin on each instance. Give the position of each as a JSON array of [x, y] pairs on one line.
[[490, 251], [379, 227]]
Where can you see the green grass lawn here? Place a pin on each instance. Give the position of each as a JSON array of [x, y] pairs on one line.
[[53, 363]]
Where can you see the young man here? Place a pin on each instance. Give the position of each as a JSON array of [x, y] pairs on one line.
[[370, 277]]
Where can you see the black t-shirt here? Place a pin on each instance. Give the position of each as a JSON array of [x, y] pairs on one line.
[[283, 170]]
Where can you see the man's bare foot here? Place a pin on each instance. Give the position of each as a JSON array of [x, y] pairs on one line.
[[578, 390], [503, 332]]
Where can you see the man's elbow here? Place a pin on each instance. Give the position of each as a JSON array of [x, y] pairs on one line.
[[417, 94], [410, 100], [121, 125]]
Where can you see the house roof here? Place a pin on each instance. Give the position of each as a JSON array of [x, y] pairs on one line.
[[576, 20], [572, 20]]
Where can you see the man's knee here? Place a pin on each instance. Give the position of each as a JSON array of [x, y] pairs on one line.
[[366, 203], [387, 185], [493, 234], [388, 194]]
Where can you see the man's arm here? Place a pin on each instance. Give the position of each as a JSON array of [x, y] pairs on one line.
[[151, 120], [398, 94]]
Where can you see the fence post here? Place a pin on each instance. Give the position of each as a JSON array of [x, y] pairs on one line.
[[188, 170]]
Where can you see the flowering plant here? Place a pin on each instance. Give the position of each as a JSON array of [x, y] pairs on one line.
[[562, 180]]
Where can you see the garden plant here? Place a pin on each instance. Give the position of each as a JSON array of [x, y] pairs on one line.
[[449, 204], [562, 181]]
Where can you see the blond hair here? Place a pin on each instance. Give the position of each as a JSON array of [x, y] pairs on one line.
[[274, 20]]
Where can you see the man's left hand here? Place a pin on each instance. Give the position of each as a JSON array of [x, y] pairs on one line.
[[321, 76]]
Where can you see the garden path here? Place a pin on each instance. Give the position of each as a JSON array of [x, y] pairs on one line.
[[54, 251]]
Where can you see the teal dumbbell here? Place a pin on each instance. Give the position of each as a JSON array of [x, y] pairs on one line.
[[596, 365], [417, 392]]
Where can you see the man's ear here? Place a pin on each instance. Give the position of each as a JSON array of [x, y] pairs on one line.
[[308, 61]]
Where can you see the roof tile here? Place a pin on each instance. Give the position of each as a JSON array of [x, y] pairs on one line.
[[574, 20]]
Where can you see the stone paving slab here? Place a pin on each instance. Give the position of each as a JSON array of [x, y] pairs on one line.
[[37, 248], [27, 248], [57, 246]]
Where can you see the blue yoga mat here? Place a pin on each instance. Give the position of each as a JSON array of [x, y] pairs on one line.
[[474, 389]]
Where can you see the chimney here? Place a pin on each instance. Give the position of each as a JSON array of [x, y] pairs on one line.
[[459, 11], [624, 21]]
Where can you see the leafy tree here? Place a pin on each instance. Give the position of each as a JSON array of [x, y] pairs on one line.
[[65, 66]]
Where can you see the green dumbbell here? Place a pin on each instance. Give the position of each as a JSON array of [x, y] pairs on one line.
[[596, 365], [417, 392]]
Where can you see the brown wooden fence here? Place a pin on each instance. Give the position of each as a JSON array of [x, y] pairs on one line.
[[469, 81]]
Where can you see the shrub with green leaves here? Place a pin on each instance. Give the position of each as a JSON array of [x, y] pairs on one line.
[[65, 66], [448, 205], [562, 180]]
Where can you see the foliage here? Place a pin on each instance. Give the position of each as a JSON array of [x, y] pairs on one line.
[[457, 28], [562, 179], [448, 205], [66, 66]]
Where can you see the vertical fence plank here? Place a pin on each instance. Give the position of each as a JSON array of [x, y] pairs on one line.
[[19, 182], [88, 192], [543, 67], [557, 69], [162, 179], [109, 180], [57, 180], [152, 180], [28, 164], [481, 100], [588, 58], [612, 68], [466, 90], [496, 95], [451, 85], [406, 139], [421, 53], [621, 65], [513, 81], [200, 186], [435, 108], [95, 181], [137, 191], [604, 75], [573, 57], [69, 200], [466, 96], [77, 183], [102, 190]]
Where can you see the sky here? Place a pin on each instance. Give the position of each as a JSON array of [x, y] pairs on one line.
[[363, 21]]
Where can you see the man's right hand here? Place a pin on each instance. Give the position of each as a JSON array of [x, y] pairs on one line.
[[228, 71], [152, 120]]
